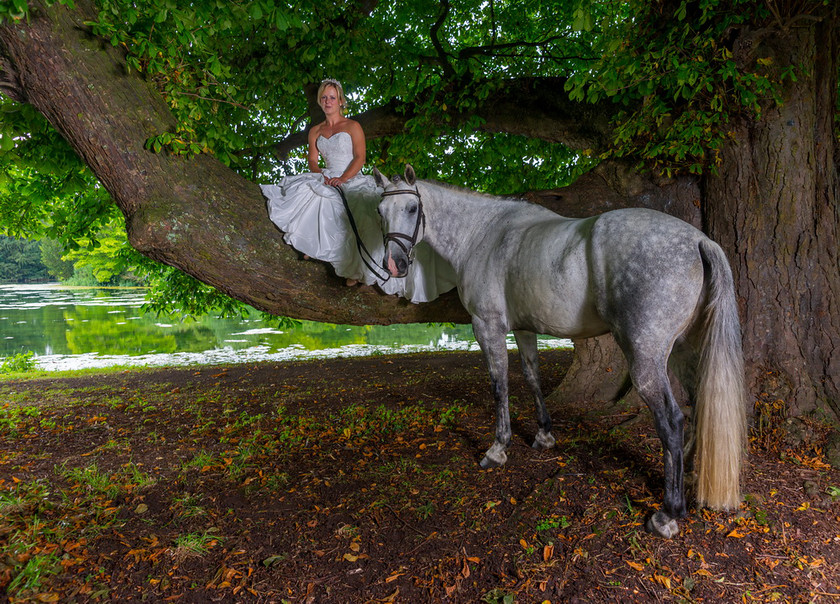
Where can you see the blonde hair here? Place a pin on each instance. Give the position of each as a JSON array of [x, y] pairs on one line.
[[342, 100]]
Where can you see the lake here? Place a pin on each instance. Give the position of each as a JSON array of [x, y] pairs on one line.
[[82, 327]]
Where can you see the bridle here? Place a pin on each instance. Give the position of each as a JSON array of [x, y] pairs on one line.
[[398, 238]]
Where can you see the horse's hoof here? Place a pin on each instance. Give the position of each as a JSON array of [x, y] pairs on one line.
[[662, 525], [494, 458], [544, 440], [488, 463]]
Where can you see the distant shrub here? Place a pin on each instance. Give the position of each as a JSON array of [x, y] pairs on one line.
[[19, 363]]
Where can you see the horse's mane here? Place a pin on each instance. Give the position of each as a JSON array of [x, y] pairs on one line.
[[471, 193]]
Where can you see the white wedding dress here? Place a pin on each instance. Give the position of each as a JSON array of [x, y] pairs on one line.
[[312, 217]]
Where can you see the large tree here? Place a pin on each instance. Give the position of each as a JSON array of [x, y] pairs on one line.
[[723, 112]]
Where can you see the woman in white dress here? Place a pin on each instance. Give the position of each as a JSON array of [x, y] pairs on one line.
[[309, 210]]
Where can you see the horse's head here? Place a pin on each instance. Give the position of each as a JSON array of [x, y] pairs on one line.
[[401, 210]]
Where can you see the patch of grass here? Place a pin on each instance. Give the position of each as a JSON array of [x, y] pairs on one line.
[[115, 445], [238, 463], [276, 481], [136, 478], [188, 506], [194, 544], [18, 420], [37, 374], [90, 479], [425, 510], [94, 482], [549, 524], [29, 578], [373, 422], [202, 459], [36, 523], [451, 413], [12, 503]]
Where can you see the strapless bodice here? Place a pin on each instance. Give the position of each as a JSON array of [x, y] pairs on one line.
[[337, 152]]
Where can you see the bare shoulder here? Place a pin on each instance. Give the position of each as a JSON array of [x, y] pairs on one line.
[[315, 131], [353, 127]]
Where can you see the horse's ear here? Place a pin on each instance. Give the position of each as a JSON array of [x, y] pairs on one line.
[[410, 177], [378, 178]]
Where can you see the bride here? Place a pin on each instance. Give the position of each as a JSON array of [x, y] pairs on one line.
[[309, 210]]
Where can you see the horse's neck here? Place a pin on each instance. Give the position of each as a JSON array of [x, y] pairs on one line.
[[456, 219]]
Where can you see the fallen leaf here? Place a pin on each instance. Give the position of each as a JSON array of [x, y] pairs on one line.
[[141, 509], [272, 559], [548, 553], [465, 570], [392, 597], [634, 565], [663, 581]]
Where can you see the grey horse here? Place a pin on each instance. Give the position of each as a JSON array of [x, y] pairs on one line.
[[659, 285]]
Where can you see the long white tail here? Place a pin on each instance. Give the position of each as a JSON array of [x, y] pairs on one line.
[[720, 409]]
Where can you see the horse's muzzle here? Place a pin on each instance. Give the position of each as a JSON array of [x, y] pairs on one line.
[[396, 267]]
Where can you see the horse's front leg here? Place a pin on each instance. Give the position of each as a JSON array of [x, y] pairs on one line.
[[491, 337], [526, 341]]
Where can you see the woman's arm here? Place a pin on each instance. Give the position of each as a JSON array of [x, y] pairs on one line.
[[313, 149]]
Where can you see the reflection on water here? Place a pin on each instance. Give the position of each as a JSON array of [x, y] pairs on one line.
[[74, 328]]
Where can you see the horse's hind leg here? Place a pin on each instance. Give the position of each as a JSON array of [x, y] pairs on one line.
[[491, 337], [651, 380], [683, 362], [526, 341]]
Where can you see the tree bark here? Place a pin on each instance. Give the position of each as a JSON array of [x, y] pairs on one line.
[[773, 208]]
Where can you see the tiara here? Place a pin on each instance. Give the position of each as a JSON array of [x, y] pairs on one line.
[[332, 81]]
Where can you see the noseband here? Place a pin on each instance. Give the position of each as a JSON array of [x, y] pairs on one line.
[[421, 219]]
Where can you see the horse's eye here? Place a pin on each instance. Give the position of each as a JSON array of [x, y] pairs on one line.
[[412, 210]]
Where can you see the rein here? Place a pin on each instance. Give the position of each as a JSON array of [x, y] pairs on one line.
[[367, 257], [397, 237]]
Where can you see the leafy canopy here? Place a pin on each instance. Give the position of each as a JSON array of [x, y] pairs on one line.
[[240, 77]]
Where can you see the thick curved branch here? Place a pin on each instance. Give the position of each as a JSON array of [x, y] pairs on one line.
[[534, 107]]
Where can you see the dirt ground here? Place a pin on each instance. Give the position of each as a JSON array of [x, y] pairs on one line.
[[357, 480]]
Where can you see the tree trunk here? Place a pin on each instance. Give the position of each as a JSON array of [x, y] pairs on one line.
[[773, 208]]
